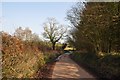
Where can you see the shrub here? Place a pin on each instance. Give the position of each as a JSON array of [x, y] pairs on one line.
[[104, 67], [50, 56], [20, 60]]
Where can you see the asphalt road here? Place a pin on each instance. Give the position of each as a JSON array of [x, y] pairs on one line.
[[66, 69]]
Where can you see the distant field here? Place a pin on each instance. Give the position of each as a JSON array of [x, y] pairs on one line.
[[69, 48]]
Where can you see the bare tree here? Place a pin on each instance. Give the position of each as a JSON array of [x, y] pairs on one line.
[[53, 31], [27, 34], [19, 32], [23, 34], [35, 37]]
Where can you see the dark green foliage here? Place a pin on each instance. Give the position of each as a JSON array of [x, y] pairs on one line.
[[103, 67]]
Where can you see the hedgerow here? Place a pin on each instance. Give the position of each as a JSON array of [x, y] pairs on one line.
[[19, 60], [104, 67]]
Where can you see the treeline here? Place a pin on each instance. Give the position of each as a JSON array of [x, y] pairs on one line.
[[27, 36], [96, 26], [96, 36], [24, 53]]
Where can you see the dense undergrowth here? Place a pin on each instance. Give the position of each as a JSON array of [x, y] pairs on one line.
[[104, 67], [22, 59]]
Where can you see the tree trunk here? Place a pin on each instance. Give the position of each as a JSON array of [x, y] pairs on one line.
[[53, 45], [109, 46]]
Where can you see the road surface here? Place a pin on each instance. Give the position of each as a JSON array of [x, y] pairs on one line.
[[66, 69]]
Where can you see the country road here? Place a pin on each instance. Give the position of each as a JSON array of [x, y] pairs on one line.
[[66, 69]]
